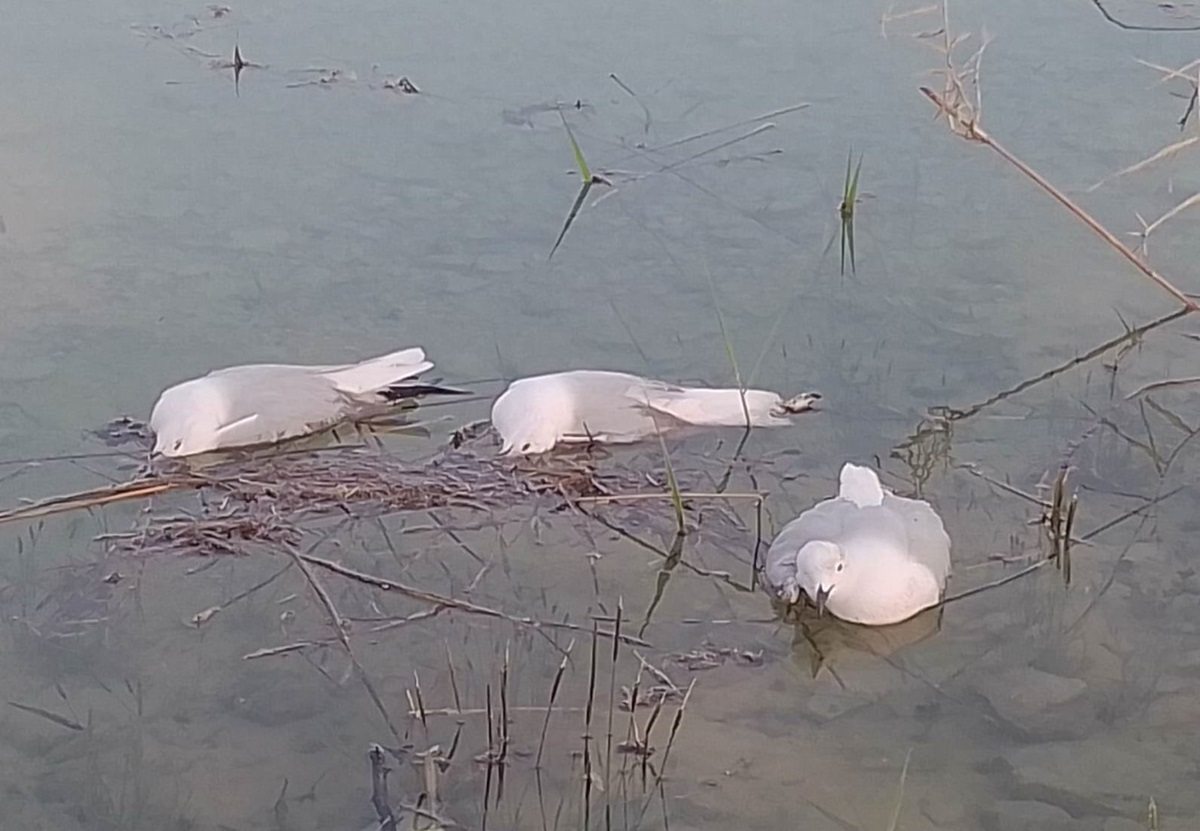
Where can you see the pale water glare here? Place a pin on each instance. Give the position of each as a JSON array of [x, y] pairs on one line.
[[158, 220]]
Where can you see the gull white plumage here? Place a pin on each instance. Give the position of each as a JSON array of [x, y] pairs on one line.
[[866, 555], [265, 403], [535, 414]]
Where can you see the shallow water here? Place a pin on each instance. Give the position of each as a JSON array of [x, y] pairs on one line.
[[159, 221]]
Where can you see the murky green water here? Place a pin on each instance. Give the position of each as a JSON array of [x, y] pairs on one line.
[[157, 223]]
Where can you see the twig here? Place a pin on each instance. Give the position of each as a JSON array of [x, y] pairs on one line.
[[450, 602], [482, 711], [991, 480], [1159, 385], [206, 615], [339, 625], [269, 652], [971, 130], [997, 583], [1134, 27], [1165, 152]]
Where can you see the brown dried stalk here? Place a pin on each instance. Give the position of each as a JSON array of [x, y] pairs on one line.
[[454, 603], [962, 111]]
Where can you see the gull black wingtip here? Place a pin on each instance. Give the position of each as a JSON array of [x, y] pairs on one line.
[[403, 392]]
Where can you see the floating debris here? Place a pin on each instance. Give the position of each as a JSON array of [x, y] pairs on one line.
[[124, 430], [325, 77], [401, 84], [267, 501]]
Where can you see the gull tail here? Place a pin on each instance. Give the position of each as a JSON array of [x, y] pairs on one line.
[[377, 374], [719, 407], [860, 485]]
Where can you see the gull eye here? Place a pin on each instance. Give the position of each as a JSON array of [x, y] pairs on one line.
[[178, 444], [840, 567], [525, 447]]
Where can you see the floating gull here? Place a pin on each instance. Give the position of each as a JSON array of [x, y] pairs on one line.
[[867, 555], [585, 405], [266, 403]]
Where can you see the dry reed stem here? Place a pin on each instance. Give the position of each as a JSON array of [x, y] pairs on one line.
[[482, 711], [637, 497], [1128, 337], [1169, 73], [972, 469], [96, 497], [339, 626], [1164, 384], [1149, 228], [995, 584], [450, 602], [1166, 152], [890, 17], [963, 118], [270, 652]]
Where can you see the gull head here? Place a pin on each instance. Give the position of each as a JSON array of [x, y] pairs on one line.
[[184, 438], [533, 415], [820, 566], [186, 420]]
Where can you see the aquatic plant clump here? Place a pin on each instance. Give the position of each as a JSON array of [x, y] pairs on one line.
[[270, 501]]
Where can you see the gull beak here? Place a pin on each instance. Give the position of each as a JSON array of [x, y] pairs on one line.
[[820, 599]]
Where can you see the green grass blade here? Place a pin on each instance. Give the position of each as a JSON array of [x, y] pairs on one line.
[[673, 485], [850, 240], [674, 557], [846, 209], [584, 171], [583, 192], [737, 374], [847, 205], [854, 182], [845, 224]]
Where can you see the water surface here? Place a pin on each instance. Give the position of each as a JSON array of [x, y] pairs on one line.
[[160, 221]]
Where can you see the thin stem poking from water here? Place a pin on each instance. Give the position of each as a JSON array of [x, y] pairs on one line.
[[1136, 27], [554, 688], [587, 736], [662, 768], [612, 704], [995, 584]]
